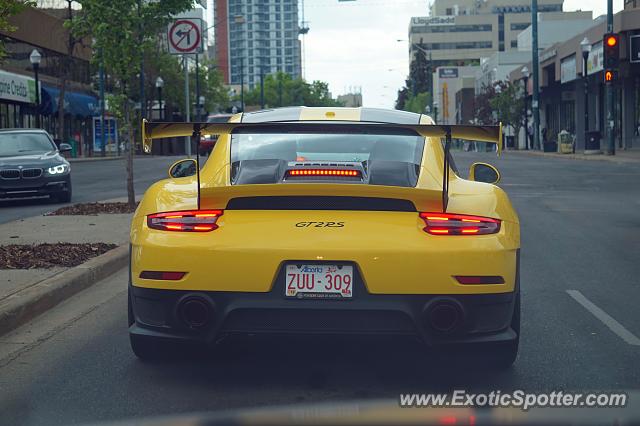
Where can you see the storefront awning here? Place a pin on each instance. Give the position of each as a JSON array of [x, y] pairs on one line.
[[76, 104]]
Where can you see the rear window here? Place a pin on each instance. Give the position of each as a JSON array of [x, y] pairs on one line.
[[327, 147]]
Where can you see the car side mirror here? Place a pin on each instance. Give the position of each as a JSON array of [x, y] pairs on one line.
[[183, 168], [64, 147], [483, 172]]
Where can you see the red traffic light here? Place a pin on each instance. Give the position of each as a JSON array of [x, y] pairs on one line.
[[612, 41]]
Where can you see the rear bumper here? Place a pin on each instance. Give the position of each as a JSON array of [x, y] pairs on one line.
[[483, 318], [34, 187]]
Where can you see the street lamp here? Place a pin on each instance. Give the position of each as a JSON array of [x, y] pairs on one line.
[[35, 59], [525, 80], [159, 86], [585, 47]]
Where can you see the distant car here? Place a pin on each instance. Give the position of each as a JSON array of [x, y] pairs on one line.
[[207, 141], [31, 165], [327, 221]]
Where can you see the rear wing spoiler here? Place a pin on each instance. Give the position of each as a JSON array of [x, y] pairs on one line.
[[490, 134]]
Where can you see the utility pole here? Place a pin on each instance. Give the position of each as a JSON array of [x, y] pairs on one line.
[[198, 106], [143, 103], [187, 104], [102, 141], [535, 108], [611, 146]]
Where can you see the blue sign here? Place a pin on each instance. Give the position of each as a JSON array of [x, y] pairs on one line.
[[110, 135]]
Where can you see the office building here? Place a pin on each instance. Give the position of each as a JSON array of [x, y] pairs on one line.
[[462, 31]]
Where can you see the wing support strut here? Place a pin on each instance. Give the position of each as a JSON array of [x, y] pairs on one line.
[[197, 136], [445, 173]]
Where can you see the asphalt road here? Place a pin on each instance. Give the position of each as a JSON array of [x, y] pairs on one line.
[[580, 276], [92, 181]]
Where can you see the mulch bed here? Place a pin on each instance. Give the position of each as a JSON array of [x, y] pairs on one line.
[[50, 255], [93, 209]]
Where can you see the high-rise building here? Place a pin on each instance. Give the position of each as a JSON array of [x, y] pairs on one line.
[[255, 37]]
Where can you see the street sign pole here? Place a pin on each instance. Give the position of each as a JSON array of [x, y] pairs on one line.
[[185, 38], [611, 147], [187, 106], [535, 109], [198, 106]]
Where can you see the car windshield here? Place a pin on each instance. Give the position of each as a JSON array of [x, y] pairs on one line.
[[327, 147], [12, 144]]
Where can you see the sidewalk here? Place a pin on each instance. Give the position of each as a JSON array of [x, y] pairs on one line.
[[96, 158], [25, 293], [621, 156]]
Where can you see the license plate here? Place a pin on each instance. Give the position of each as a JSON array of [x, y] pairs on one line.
[[319, 281]]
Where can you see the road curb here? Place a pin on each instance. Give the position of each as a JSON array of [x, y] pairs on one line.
[[92, 159], [582, 157], [27, 304]]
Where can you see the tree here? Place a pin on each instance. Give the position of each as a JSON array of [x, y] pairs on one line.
[[419, 78], [9, 8], [500, 102], [281, 89], [508, 104], [122, 30], [418, 103], [401, 100]]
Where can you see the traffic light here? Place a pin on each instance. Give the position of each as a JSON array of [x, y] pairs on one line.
[[611, 44]]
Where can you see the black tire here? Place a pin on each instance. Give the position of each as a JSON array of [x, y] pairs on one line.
[[503, 355], [499, 356], [153, 349]]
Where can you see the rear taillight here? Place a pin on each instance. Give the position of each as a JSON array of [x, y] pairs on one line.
[[185, 221], [459, 224]]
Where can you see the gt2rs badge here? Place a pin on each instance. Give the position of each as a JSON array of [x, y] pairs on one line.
[[319, 224]]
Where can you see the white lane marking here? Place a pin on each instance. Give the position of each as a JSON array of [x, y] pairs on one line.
[[606, 319]]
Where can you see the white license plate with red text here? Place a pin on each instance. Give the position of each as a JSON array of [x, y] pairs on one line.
[[314, 281]]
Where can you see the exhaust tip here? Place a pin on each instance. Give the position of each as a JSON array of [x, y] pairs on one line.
[[195, 312], [444, 316]]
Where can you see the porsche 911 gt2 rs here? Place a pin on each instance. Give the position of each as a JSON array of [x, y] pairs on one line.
[[326, 220]]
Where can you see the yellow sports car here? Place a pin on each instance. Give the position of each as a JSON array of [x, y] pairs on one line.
[[326, 220]]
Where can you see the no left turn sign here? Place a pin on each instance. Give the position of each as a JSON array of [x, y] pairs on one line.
[[185, 36]]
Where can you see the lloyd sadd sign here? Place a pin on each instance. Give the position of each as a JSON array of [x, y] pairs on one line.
[[433, 20], [14, 87]]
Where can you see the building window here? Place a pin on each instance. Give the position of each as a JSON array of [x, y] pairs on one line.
[[514, 44], [567, 117], [459, 45], [451, 28], [519, 26]]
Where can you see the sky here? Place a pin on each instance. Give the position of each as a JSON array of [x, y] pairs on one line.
[[353, 45]]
